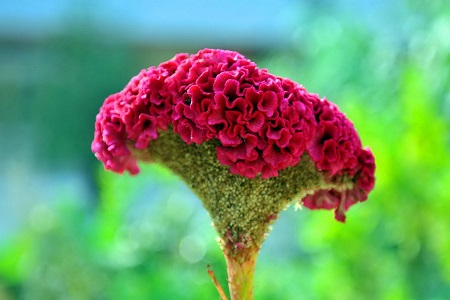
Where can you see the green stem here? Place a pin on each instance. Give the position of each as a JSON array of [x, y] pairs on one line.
[[241, 271]]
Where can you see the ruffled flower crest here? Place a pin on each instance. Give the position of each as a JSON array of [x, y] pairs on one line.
[[260, 126]]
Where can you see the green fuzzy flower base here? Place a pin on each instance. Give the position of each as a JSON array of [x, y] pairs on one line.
[[241, 208]]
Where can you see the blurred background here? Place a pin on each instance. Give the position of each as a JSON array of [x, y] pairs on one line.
[[70, 230]]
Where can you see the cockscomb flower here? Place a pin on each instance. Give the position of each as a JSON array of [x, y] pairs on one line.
[[248, 143]]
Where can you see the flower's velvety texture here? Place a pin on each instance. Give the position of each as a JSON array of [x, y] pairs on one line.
[[261, 123], [336, 149], [136, 113]]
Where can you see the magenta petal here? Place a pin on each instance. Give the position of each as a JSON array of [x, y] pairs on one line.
[[269, 103]]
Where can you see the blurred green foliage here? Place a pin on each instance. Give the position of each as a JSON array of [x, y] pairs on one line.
[[394, 86]]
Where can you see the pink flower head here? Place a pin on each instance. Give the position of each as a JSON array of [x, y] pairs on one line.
[[261, 123]]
